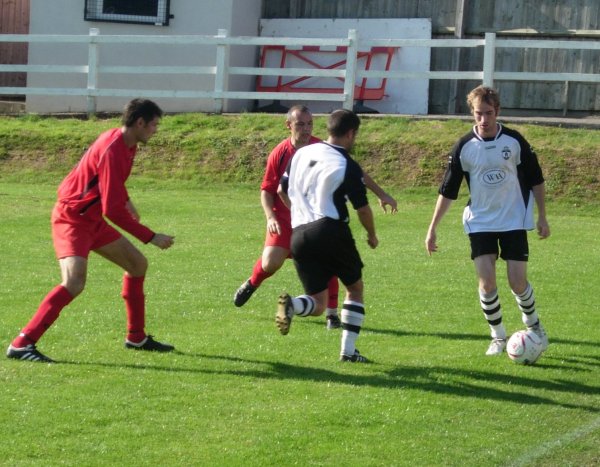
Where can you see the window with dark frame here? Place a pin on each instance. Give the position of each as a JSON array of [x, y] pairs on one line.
[[154, 12]]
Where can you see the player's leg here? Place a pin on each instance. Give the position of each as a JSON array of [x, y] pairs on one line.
[[124, 254], [275, 252], [515, 251], [484, 253], [331, 314], [353, 316], [485, 266], [72, 241], [347, 264], [312, 272], [268, 264], [303, 305], [522, 291], [73, 272]]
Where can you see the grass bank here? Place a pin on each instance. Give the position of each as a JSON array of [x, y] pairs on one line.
[[399, 152]]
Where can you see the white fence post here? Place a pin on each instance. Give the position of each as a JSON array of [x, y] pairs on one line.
[[489, 59], [222, 69], [92, 75], [351, 61]]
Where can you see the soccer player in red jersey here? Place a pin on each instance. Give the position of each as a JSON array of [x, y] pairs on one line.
[[92, 191], [299, 121]]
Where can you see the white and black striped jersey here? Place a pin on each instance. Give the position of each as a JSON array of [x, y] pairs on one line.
[[500, 172], [319, 180]]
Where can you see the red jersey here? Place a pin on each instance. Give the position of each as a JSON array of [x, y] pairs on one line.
[[96, 186], [277, 163]]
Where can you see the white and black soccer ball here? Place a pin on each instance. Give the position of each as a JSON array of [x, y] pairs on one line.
[[524, 347]]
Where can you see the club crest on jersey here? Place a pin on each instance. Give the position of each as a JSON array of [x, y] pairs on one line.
[[506, 153], [493, 177]]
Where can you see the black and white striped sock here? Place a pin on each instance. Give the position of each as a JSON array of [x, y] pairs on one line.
[[526, 302], [304, 305], [490, 304], [353, 315]]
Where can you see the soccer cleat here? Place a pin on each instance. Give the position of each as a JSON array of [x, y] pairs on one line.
[[28, 353], [285, 312], [244, 293], [356, 358], [496, 347], [539, 331], [149, 344], [333, 322]]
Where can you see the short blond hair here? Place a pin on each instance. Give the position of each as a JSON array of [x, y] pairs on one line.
[[484, 94]]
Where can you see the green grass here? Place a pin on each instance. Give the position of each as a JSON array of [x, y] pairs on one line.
[[238, 393], [201, 149]]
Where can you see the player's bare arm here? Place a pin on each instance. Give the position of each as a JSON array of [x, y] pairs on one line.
[[539, 194], [284, 197], [441, 207], [385, 200], [365, 216], [267, 201]]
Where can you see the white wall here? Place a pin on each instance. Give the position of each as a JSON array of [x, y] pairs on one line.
[[401, 96], [205, 17]]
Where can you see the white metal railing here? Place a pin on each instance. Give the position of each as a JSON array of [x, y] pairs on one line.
[[221, 70]]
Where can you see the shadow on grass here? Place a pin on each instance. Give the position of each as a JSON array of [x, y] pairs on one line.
[[454, 335], [466, 383]]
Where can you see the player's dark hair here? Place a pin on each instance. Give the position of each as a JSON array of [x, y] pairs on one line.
[[140, 108], [488, 95], [296, 108], [341, 122]]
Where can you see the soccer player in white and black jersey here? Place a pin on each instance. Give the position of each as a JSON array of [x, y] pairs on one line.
[[320, 179], [504, 180]]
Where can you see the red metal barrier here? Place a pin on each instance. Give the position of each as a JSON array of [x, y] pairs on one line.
[[361, 91]]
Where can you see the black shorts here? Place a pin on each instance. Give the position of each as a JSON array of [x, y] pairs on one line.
[[323, 249], [511, 245]]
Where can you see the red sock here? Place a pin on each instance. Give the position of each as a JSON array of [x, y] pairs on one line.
[[258, 274], [48, 311], [135, 306], [334, 288]]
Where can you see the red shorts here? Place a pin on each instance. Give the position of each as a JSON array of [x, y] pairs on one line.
[[282, 240], [77, 235]]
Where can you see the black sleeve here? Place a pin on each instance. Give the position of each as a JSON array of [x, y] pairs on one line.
[[355, 185], [454, 174], [530, 166]]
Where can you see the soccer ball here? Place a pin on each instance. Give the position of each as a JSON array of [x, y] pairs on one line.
[[524, 347]]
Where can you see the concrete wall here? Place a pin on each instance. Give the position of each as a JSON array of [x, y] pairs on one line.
[[206, 17]]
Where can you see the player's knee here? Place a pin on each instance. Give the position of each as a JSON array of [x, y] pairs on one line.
[[272, 264], [138, 266], [74, 285], [354, 292], [518, 287]]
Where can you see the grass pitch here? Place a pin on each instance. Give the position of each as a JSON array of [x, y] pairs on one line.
[[238, 393]]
